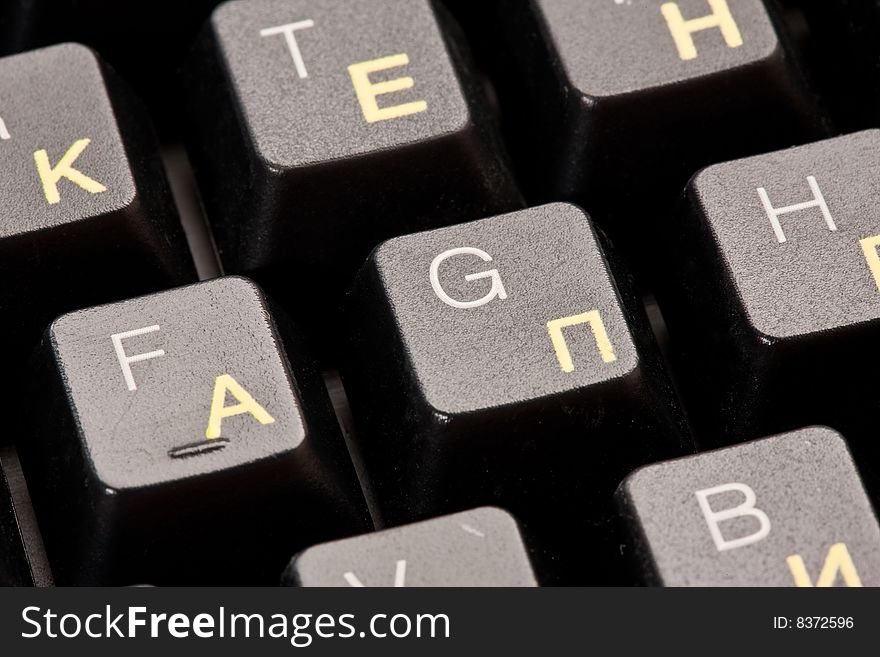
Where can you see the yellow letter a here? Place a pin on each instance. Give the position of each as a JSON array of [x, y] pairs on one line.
[[246, 404]]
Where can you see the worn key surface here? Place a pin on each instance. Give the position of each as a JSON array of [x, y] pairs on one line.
[[174, 435], [320, 128], [783, 511], [481, 547], [497, 362]]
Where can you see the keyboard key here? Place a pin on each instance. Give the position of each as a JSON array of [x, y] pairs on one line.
[[783, 511], [321, 128], [617, 104], [482, 547], [87, 213], [513, 373], [14, 568], [179, 446], [778, 301]]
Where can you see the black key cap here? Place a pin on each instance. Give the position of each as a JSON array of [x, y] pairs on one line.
[[777, 301], [313, 145], [783, 511], [616, 104], [512, 372], [178, 440], [14, 568], [482, 547], [87, 212]]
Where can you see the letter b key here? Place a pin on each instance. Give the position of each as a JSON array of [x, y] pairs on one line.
[[789, 510]]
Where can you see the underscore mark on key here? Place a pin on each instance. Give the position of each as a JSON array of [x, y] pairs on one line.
[[473, 530]]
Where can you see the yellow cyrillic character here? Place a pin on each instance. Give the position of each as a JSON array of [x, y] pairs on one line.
[[837, 561], [246, 404], [50, 176], [869, 247], [594, 319], [682, 30], [367, 91]]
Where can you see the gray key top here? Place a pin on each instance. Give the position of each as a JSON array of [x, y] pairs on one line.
[[323, 126], [181, 429], [789, 510], [781, 289], [482, 547]]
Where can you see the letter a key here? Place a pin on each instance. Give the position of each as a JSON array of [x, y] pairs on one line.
[[175, 429]]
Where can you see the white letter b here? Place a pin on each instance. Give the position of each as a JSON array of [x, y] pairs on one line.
[[746, 508]]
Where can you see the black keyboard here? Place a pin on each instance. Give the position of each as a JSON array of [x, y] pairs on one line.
[[440, 293]]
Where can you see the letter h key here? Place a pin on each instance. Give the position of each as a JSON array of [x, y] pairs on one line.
[[777, 299]]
